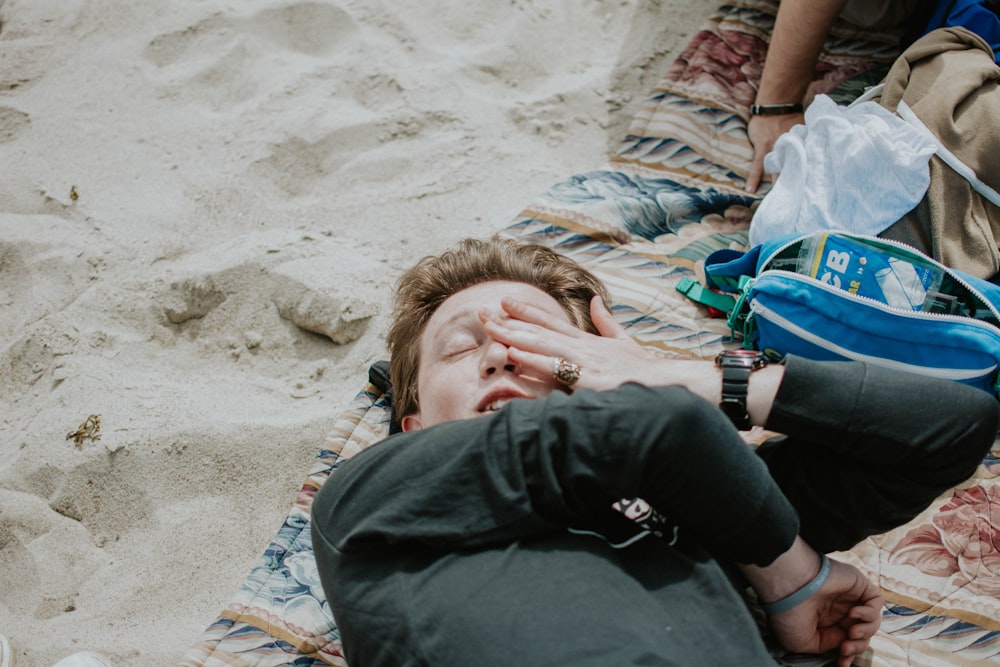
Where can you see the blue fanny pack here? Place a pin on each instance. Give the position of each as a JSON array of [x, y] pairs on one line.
[[836, 295]]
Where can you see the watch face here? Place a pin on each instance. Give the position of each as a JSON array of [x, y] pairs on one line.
[[753, 359]]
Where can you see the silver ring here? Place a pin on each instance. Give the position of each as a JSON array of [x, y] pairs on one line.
[[565, 371]]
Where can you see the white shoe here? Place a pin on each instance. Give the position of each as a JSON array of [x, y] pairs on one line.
[[81, 659], [6, 657]]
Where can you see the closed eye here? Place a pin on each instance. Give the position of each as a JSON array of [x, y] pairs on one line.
[[460, 352], [460, 345]]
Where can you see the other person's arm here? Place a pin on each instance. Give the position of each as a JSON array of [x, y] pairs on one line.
[[800, 29]]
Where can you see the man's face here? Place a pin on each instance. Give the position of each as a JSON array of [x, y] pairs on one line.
[[463, 372]]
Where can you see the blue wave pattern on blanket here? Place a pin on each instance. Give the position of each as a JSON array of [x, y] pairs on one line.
[[643, 206], [671, 195]]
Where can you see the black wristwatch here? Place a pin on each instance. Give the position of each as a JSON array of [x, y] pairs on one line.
[[737, 365]]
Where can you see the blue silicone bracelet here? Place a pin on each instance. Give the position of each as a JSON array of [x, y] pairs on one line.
[[801, 595]]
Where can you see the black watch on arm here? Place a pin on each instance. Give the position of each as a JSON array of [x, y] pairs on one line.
[[737, 365]]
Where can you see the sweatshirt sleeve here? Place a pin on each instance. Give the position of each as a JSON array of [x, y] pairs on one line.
[[552, 463], [865, 448], [898, 417]]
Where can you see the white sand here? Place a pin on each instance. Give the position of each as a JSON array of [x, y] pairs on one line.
[[185, 187]]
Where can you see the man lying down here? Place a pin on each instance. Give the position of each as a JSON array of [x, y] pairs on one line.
[[561, 496]]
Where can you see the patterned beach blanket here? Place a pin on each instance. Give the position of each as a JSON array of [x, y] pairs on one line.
[[671, 194]]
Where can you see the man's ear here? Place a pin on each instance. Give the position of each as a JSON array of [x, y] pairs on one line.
[[411, 423]]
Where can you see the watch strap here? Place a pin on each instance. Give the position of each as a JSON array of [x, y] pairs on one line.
[[737, 365], [735, 381]]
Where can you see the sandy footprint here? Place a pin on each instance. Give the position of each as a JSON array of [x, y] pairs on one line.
[[13, 123], [272, 297], [254, 49], [364, 146], [28, 57], [38, 277], [310, 28], [47, 556]]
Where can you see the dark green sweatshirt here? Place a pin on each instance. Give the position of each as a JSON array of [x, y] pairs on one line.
[[493, 541]]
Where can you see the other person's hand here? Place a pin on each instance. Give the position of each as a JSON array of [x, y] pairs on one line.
[[763, 132]]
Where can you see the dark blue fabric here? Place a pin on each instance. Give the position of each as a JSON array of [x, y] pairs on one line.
[[980, 16]]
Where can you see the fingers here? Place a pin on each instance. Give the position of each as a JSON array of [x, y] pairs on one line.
[[860, 638], [863, 621], [866, 621], [763, 133], [849, 650], [519, 311], [761, 142], [529, 327], [845, 660], [756, 172], [869, 609], [534, 365], [534, 334], [605, 322], [852, 648], [535, 338]]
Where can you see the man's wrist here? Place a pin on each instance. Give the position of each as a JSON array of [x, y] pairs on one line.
[[801, 595], [788, 573]]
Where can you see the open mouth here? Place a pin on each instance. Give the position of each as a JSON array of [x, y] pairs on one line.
[[497, 399]]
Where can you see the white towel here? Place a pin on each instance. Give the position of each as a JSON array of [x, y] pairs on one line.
[[858, 168]]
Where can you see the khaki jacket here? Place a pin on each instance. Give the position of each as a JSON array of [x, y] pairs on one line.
[[949, 80]]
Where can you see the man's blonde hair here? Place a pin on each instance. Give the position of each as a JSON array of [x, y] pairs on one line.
[[423, 288]]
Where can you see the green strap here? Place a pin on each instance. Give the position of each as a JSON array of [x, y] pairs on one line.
[[740, 320], [695, 291], [732, 282]]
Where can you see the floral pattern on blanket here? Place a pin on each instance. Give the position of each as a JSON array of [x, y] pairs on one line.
[[671, 194], [940, 577], [961, 541]]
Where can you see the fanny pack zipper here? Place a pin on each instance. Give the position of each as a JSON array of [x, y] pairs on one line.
[[901, 246], [764, 312]]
